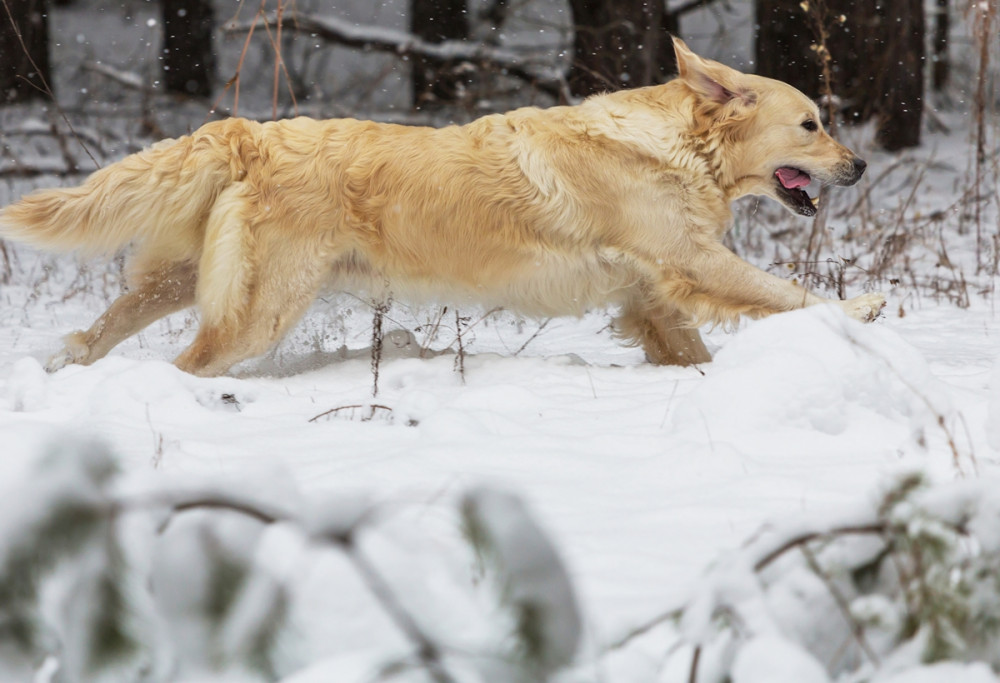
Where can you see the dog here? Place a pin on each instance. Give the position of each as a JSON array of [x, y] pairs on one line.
[[621, 200]]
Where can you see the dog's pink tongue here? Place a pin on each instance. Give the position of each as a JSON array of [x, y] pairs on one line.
[[792, 178]]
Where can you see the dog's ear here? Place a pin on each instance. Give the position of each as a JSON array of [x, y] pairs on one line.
[[712, 81]]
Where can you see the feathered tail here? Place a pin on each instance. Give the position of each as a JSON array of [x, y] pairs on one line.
[[159, 197]]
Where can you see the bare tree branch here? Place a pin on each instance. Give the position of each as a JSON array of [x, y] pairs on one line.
[[689, 6], [129, 79], [403, 44], [60, 171]]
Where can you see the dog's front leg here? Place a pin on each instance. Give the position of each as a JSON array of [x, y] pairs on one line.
[[717, 285]]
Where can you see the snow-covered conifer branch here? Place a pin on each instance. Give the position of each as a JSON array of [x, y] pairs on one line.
[[534, 582], [207, 584], [908, 572]]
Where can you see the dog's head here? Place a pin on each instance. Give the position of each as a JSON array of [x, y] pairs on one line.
[[769, 136]]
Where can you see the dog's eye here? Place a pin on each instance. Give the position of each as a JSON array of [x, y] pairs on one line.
[[810, 125]]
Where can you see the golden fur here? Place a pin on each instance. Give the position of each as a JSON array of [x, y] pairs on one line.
[[622, 199]]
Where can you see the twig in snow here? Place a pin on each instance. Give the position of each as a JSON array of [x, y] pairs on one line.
[[534, 336], [429, 337], [460, 358], [371, 406], [695, 657], [377, 340], [157, 441], [8, 267]]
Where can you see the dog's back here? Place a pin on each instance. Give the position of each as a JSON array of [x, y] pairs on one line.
[[486, 212]]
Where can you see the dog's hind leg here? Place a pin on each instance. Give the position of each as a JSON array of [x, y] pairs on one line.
[[153, 294], [279, 277], [664, 333], [219, 346]]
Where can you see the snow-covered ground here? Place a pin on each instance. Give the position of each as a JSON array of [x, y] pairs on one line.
[[642, 476]]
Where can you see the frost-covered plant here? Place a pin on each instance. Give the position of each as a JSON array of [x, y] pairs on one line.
[[911, 580], [534, 584], [168, 585], [68, 592], [62, 518], [219, 611]]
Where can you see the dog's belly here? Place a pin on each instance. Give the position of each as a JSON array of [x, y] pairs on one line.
[[546, 284]]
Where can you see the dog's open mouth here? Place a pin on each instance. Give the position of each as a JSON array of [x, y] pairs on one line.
[[791, 182]]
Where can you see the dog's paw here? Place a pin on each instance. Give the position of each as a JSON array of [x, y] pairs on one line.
[[865, 307], [75, 351], [58, 361]]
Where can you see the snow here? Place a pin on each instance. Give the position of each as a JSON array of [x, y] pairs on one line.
[[659, 488], [993, 421], [813, 370], [769, 659], [642, 475], [945, 671]]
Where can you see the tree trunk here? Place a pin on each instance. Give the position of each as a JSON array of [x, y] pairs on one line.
[[616, 44], [436, 82], [942, 23], [782, 49], [901, 103], [877, 58], [24, 51], [188, 47], [670, 25]]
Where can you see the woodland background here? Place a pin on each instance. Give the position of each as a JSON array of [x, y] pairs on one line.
[[819, 503]]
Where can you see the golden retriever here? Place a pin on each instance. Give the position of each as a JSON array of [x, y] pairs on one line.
[[622, 199]]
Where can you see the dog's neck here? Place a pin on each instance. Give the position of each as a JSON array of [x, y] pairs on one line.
[[719, 150], [673, 135]]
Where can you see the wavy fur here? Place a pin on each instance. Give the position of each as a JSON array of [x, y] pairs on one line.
[[619, 200]]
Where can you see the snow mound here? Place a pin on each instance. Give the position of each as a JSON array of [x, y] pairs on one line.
[[772, 659], [813, 369], [993, 419], [944, 672], [26, 386]]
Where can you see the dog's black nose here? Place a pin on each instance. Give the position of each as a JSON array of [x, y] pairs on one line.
[[860, 165]]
